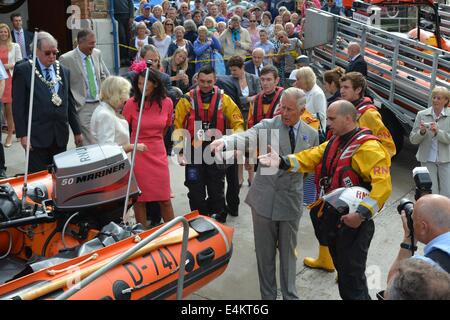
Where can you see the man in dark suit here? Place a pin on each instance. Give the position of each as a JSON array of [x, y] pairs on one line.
[[356, 60], [255, 65], [20, 36], [53, 107]]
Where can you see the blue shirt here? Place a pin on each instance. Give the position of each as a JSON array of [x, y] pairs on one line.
[[148, 20], [441, 242], [267, 47], [52, 74]]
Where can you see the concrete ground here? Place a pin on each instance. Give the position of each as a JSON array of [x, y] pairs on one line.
[[240, 280]]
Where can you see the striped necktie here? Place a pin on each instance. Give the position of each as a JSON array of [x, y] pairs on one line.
[[21, 42], [48, 76]]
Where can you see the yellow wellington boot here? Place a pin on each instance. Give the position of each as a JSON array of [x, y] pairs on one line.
[[324, 261]]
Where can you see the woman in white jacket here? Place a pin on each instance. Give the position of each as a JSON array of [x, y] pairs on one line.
[[431, 132], [9, 54], [107, 123]]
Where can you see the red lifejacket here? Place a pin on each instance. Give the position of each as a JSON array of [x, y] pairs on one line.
[[258, 114], [365, 104], [336, 170], [213, 115]]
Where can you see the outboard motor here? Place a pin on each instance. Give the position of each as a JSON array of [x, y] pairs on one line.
[[91, 177]]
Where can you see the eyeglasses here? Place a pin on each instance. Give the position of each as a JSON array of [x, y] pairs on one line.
[[169, 24], [252, 20], [49, 52]]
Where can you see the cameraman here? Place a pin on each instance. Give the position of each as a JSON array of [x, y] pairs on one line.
[[431, 224]]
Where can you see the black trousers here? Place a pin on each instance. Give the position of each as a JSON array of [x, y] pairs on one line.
[[349, 248], [233, 187], [319, 227], [203, 178], [41, 158]]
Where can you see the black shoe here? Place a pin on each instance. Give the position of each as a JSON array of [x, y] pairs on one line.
[[233, 213], [220, 217], [3, 174]]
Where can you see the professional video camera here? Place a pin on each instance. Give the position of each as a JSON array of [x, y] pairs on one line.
[[423, 182]]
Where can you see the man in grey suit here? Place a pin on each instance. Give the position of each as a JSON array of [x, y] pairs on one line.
[[275, 197], [87, 71]]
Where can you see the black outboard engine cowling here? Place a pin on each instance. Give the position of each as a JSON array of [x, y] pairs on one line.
[[91, 177], [9, 203]]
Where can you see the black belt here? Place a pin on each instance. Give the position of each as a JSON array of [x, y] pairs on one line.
[[97, 101]]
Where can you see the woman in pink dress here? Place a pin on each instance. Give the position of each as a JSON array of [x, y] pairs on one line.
[[151, 168], [9, 55]]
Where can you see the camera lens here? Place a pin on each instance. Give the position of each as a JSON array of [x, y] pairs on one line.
[[407, 205]]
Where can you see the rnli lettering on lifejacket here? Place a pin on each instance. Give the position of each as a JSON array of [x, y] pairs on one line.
[[100, 174], [83, 154]]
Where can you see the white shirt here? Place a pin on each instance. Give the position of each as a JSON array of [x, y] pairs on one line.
[[162, 46], [316, 103], [433, 155], [3, 74], [295, 128], [107, 127]]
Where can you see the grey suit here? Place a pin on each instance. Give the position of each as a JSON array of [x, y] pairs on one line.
[[73, 61], [254, 87], [276, 202]]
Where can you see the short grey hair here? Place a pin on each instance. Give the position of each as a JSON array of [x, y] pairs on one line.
[[43, 36], [189, 25], [298, 95], [147, 48], [235, 18]]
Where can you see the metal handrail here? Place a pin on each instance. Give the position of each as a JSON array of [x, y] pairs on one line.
[[124, 256]]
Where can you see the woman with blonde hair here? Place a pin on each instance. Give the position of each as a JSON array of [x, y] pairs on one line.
[[176, 68], [165, 5], [141, 39], [210, 24], [161, 40], [107, 124], [157, 12], [316, 102], [431, 131], [9, 54]]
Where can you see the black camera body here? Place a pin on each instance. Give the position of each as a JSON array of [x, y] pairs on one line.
[[423, 183]]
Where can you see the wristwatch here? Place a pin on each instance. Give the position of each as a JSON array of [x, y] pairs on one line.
[[408, 246]]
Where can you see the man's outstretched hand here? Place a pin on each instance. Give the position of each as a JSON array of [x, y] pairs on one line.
[[217, 146], [271, 159]]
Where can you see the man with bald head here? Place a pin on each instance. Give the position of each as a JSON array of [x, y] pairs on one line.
[[356, 61], [352, 157], [431, 223], [255, 65]]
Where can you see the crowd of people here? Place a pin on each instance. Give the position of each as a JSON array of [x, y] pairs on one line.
[[217, 79]]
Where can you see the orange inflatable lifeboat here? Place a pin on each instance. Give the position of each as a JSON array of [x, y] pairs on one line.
[[429, 38], [49, 245]]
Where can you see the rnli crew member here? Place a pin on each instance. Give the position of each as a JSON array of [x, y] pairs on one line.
[[276, 197], [353, 86], [206, 112], [352, 157], [265, 103]]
